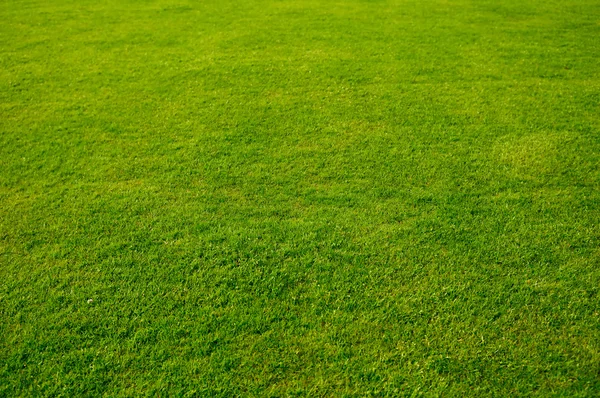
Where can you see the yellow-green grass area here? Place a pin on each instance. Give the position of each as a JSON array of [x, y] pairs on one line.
[[299, 198]]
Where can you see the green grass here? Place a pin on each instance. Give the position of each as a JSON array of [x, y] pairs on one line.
[[300, 198]]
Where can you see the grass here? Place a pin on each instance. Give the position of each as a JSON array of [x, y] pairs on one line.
[[299, 198]]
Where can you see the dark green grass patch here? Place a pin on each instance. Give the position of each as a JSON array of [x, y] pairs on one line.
[[299, 198]]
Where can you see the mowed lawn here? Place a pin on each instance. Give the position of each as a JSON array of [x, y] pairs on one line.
[[300, 198]]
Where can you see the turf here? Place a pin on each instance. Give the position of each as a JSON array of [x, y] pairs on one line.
[[300, 198]]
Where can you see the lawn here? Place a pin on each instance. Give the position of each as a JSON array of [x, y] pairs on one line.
[[300, 198]]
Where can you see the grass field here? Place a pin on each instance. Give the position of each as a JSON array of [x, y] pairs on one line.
[[300, 198]]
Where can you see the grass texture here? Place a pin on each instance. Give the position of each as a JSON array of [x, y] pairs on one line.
[[300, 198]]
